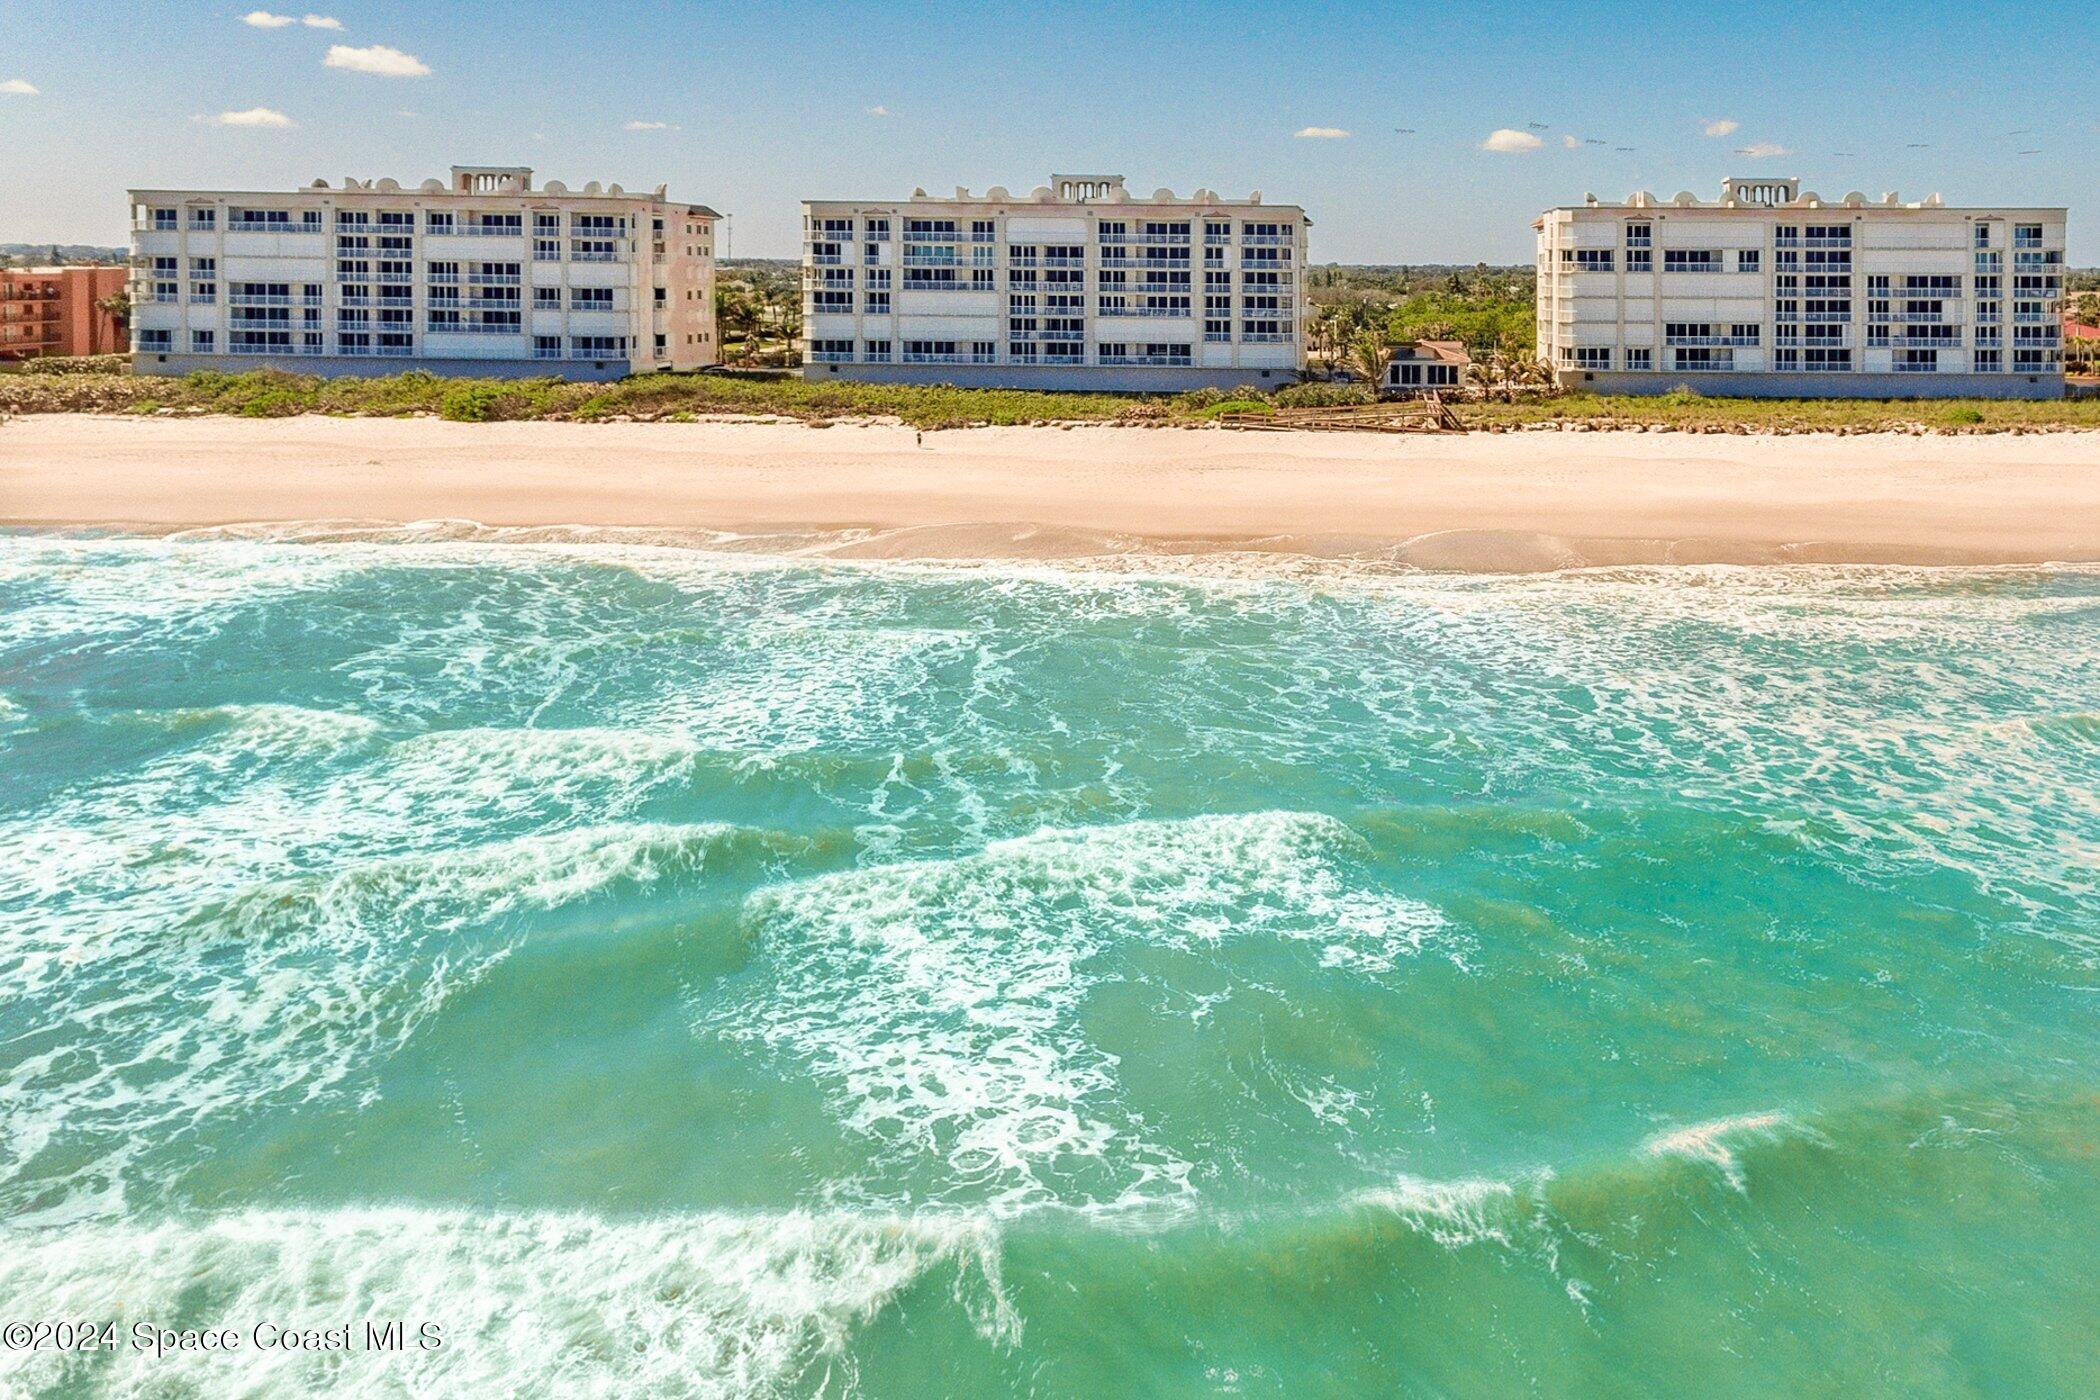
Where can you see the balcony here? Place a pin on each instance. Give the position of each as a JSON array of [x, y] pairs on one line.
[[1826, 317], [481, 328], [1266, 240], [1264, 337], [1826, 241], [831, 357], [933, 236], [1917, 367], [479, 230], [1180, 361], [496, 279], [580, 253], [1917, 342], [1162, 240], [827, 259], [1710, 340]]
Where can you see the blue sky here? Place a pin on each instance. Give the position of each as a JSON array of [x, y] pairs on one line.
[[753, 107]]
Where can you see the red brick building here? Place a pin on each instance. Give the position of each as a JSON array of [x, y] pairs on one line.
[[52, 311]]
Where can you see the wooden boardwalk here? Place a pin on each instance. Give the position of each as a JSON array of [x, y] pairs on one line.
[[1424, 415]]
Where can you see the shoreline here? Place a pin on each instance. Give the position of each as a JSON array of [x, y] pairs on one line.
[[1509, 502]]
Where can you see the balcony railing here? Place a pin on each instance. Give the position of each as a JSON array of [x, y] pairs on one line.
[[1176, 360], [496, 279], [929, 236], [1265, 240], [1706, 340], [831, 357], [471, 230], [1826, 317]]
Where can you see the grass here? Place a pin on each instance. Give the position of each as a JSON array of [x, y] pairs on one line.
[[689, 397]]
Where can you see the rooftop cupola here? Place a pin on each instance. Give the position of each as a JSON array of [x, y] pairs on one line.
[[1078, 189], [1768, 194], [491, 179]]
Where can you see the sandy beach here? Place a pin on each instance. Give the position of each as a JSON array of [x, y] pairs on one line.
[[1486, 502]]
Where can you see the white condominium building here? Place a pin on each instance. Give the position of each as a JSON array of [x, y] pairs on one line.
[[1770, 291], [485, 275], [1078, 284]]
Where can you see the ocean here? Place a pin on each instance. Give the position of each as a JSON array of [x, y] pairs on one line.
[[691, 971]]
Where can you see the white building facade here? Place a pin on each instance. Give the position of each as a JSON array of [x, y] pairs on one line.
[[1076, 285], [1773, 292], [486, 275]]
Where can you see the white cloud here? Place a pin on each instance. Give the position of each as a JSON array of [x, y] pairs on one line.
[[254, 116], [1758, 150], [1573, 143], [1510, 141], [1321, 133], [878, 111], [18, 87], [263, 19], [321, 22], [378, 58], [651, 126], [1720, 127]]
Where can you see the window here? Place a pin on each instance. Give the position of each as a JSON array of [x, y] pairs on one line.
[[587, 347], [1639, 260], [878, 231], [878, 350], [589, 298], [546, 347], [878, 304], [1691, 260], [982, 230], [202, 342], [1983, 235], [981, 279], [164, 218], [2024, 235], [1990, 361], [203, 220], [1588, 259], [1592, 356], [1640, 357], [830, 351], [1747, 260], [1640, 234], [546, 298], [840, 303]]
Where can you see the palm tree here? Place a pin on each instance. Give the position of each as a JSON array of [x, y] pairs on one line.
[[1369, 355]]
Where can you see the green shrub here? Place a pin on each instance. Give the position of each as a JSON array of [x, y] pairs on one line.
[[1226, 406], [1323, 395], [471, 401], [1965, 415], [78, 364]]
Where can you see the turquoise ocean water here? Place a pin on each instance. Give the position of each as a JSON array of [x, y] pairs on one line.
[[690, 972]]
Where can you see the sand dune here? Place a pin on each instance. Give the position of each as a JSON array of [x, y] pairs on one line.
[[1486, 502]]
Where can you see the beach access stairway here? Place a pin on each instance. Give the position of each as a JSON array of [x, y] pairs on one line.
[[1428, 414]]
